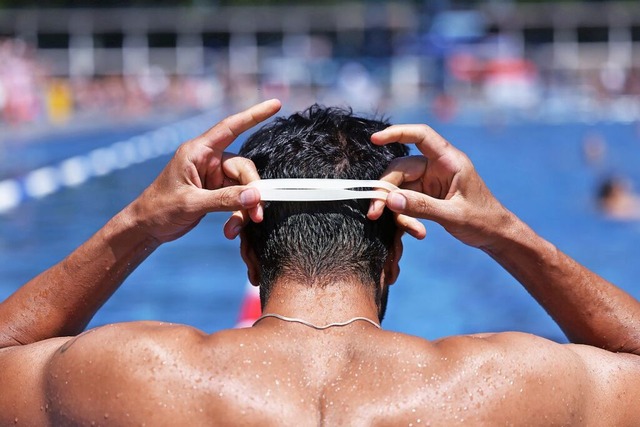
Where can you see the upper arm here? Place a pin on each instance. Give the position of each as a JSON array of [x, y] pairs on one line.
[[36, 378], [528, 377], [22, 373], [129, 371], [613, 380], [592, 383]]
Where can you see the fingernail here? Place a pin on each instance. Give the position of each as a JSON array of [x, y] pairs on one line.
[[248, 198], [396, 201], [236, 230], [377, 206]]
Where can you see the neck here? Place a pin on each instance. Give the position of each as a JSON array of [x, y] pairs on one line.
[[320, 305]]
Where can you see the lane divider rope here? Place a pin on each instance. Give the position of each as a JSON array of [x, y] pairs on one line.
[[102, 161]]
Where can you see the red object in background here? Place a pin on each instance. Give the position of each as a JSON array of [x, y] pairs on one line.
[[250, 309], [465, 67], [513, 67]]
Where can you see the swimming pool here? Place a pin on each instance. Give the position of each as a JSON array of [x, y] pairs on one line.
[[537, 170]]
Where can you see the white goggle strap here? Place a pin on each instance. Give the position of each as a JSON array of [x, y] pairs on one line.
[[309, 189]]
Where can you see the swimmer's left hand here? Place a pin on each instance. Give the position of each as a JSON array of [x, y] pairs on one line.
[[202, 178], [442, 185]]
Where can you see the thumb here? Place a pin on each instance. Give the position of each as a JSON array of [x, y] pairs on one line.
[[417, 205], [231, 198]]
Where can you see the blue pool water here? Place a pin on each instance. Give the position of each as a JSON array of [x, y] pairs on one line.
[[537, 170]]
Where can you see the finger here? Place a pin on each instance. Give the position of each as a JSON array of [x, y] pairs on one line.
[[428, 141], [411, 226], [226, 199], [239, 169], [406, 223], [257, 213], [405, 169], [238, 220], [224, 133], [418, 205], [234, 224], [405, 172], [242, 170], [376, 206]]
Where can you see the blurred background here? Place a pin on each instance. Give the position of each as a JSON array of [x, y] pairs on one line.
[[543, 96]]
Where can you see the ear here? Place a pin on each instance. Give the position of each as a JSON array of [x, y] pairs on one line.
[[250, 259], [392, 263]]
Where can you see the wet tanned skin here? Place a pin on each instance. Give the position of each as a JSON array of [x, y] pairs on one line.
[[287, 374], [282, 373]]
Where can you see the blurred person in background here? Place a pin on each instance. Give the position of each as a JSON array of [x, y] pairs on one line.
[[617, 200], [59, 102], [18, 80]]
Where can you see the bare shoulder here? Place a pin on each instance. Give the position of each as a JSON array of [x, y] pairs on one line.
[[576, 384], [511, 378], [21, 379], [68, 368], [144, 372], [130, 345], [114, 337], [126, 371]]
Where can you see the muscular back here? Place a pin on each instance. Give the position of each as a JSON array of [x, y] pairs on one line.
[[283, 374]]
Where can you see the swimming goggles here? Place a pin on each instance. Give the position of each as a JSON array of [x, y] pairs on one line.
[[316, 190]]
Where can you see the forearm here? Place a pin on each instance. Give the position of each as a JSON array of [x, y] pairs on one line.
[[589, 309], [63, 299]]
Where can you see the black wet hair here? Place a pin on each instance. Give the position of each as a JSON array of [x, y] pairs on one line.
[[321, 242]]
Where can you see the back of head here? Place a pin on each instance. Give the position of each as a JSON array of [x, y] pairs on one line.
[[320, 242]]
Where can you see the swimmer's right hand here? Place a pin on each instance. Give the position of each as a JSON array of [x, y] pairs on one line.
[[442, 185], [202, 178]]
